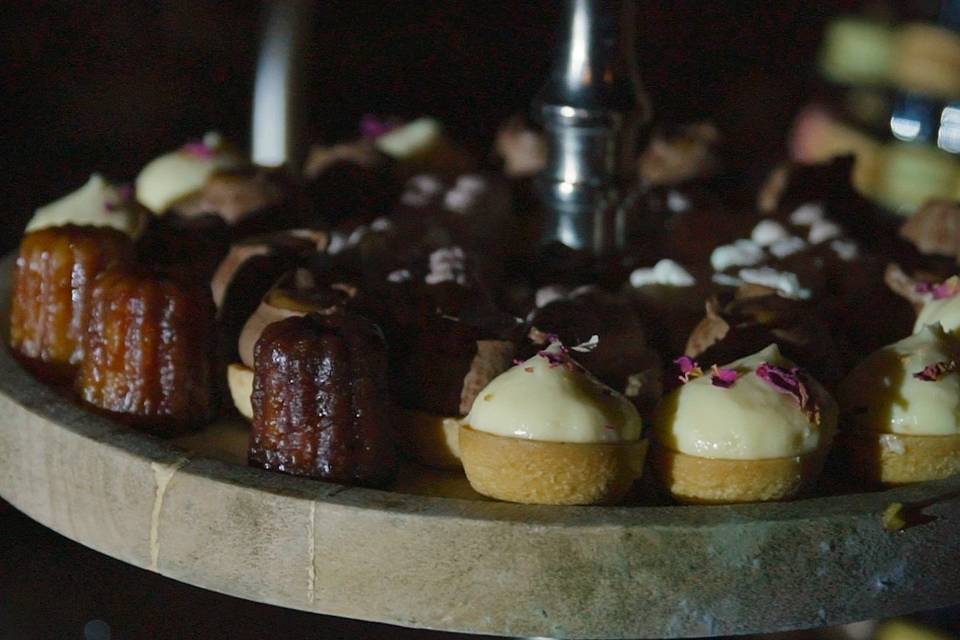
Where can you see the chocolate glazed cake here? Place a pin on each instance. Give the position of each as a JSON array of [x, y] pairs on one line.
[[320, 400]]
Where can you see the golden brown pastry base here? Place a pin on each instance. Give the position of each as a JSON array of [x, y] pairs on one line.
[[895, 459], [430, 440], [696, 480], [537, 472], [240, 381]]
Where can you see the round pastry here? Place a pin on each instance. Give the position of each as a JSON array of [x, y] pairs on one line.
[[444, 366], [902, 404], [857, 51], [180, 174], [756, 429], [913, 174], [736, 327], [53, 279], [547, 432], [685, 155], [249, 199], [927, 61], [320, 401], [252, 266], [148, 351]]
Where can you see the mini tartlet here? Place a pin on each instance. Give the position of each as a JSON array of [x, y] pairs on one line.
[[902, 404], [547, 432], [757, 429]]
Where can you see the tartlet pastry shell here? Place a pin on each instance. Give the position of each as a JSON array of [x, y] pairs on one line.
[[895, 459], [697, 480], [538, 472]]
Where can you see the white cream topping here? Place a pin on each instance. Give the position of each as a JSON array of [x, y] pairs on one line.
[[768, 232], [665, 272], [945, 312], [410, 140], [97, 203], [742, 253], [181, 173], [882, 394], [750, 420], [823, 230], [786, 283], [539, 400], [787, 247], [806, 214]]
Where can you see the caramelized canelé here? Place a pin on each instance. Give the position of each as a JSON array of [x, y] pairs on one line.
[[148, 350], [51, 296], [320, 400]]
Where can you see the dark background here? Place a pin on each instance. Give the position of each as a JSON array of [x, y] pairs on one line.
[[106, 86]]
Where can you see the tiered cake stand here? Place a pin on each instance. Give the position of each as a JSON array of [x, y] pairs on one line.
[[191, 510]]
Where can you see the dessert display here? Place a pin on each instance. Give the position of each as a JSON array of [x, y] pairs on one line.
[[389, 318], [548, 432], [901, 409], [758, 428]]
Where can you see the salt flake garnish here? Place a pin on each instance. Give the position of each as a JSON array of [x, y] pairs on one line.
[[589, 345]]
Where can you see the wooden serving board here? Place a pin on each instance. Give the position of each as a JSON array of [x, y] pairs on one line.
[[190, 510]]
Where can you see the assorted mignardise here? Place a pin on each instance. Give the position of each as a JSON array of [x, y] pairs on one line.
[[394, 303]]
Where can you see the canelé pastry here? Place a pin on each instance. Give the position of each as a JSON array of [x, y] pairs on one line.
[[756, 429], [294, 294], [53, 281], [902, 410], [148, 351], [320, 400], [182, 173], [547, 432]]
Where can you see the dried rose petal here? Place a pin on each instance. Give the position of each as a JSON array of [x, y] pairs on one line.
[[689, 369], [935, 371], [790, 382], [199, 149], [722, 377], [946, 289], [372, 127], [555, 359]]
